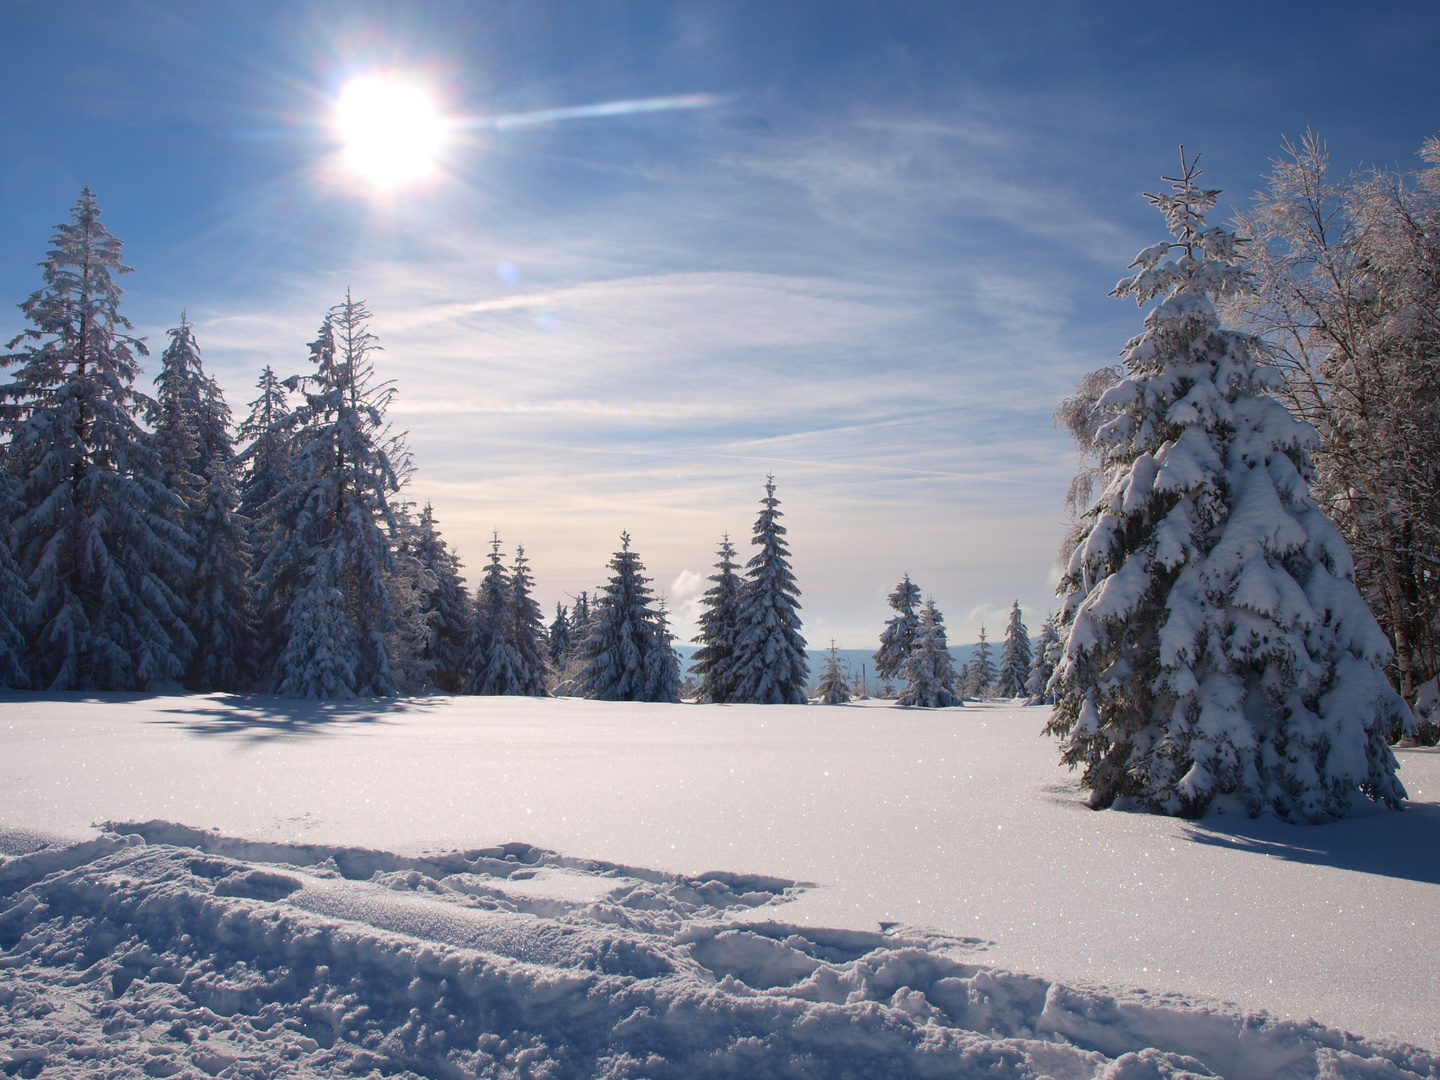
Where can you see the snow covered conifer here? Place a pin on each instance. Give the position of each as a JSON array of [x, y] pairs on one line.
[[491, 666], [928, 670], [768, 666], [266, 460], [1217, 652], [411, 586], [557, 644], [197, 458], [527, 633], [623, 630], [982, 669], [833, 688], [446, 604], [1015, 657], [718, 624], [14, 599], [662, 662], [96, 535], [1047, 652], [898, 636], [325, 582]]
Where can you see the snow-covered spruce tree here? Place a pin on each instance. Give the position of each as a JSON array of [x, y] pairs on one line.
[[266, 460], [14, 599], [411, 586], [527, 632], [96, 536], [1217, 652], [1047, 652], [446, 605], [898, 636], [768, 666], [662, 662], [491, 666], [833, 688], [325, 582], [197, 459], [557, 639], [1015, 657], [929, 671], [718, 624], [982, 670], [623, 631]]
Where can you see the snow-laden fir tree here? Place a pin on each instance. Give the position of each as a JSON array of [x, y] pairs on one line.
[[527, 632], [1015, 657], [14, 599], [325, 581], [981, 682], [768, 666], [1217, 652], [446, 605], [96, 535], [1047, 652], [833, 688], [265, 461], [557, 642], [491, 666], [898, 636], [928, 670], [623, 631], [197, 459], [411, 585], [718, 624], [662, 662]]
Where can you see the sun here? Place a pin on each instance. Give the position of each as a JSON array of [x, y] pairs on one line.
[[391, 130]]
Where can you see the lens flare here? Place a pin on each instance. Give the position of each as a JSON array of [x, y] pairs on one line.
[[391, 130]]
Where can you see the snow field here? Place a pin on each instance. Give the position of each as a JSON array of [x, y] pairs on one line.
[[957, 825]]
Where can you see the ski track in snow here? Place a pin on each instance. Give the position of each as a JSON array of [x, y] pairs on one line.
[[162, 950], [276, 945]]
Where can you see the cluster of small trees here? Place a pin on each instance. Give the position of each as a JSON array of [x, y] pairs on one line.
[[1216, 652]]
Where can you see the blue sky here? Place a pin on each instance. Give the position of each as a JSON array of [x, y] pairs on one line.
[[872, 266]]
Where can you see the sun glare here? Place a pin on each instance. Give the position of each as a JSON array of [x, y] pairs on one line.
[[391, 130]]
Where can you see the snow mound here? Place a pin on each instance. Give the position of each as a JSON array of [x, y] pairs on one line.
[[160, 950]]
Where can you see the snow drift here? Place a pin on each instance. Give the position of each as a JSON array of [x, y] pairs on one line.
[[161, 950]]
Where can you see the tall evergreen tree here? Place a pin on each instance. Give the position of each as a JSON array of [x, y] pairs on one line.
[[14, 599], [1047, 652], [325, 581], [768, 665], [719, 624], [833, 688], [265, 472], [96, 536], [928, 670], [197, 457], [898, 637], [558, 640], [527, 633], [662, 662], [1217, 650], [411, 585], [446, 605], [1015, 657], [491, 666], [624, 630], [982, 669]]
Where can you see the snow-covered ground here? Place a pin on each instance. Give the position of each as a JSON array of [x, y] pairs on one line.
[[264, 887]]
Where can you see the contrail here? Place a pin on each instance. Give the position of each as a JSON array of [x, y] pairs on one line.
[[582, 112]]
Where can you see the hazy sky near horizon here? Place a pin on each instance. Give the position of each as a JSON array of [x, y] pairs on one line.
[[871, 264]]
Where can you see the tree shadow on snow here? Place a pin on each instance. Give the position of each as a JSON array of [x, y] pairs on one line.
[[1385, 843], [260, 718]]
